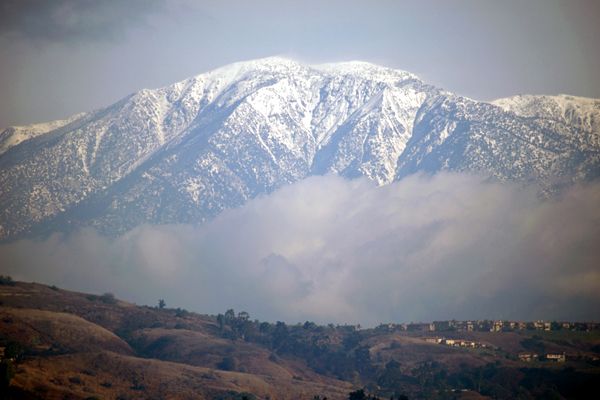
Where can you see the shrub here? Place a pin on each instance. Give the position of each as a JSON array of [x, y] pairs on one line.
[[181, 312], [108, 298], [6, 280], [137, 385], [231, 395], [228, 364], [14, 350]]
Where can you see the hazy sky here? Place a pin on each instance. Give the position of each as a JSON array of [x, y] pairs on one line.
[[63, 56]]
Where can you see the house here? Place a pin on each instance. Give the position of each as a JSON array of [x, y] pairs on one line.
[[484, 325], [538, 325], [498, 325], [528, 357], [522, 326], [556, 357], [547, 326], [441, 325], [417, 327], [462, 326], [470, 326]]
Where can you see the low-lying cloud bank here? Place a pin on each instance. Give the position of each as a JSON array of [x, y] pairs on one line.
[[332, 250]]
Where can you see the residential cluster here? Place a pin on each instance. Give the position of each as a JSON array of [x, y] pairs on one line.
[[529, 357], [456, 342], [490, 326]]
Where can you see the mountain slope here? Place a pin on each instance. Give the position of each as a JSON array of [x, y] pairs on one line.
[[185, 152], [579, 112], [13, 136], [463, 135]]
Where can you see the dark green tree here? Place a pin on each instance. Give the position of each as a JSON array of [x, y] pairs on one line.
[[228, 364], [243, 315], [280, 334], [108, 298], [6, 280], [357, 395], [229, 315], [14, 350], [7, 372]]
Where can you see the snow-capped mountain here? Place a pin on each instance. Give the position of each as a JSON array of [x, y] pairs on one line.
[[185, 152]]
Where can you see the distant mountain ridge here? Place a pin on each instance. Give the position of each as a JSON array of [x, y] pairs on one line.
[[185, 152]]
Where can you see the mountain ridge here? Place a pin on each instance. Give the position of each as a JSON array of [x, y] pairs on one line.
[[187, 151]]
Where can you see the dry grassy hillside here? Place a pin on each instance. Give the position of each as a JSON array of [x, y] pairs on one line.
[[57, 332], [75, 348], [69, 345], [108, 375]]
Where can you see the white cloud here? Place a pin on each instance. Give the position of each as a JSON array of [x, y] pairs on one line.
[[329, 249]]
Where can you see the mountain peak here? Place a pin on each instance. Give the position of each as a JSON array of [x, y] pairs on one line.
[[357, 67], [271, 64], [284, 65]]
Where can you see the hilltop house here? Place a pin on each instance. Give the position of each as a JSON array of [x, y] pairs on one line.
[[528, 357], [556, 357]]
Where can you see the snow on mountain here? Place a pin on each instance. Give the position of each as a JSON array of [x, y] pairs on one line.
[[14, 135], [580, 112], [185, 152], [547, 148]]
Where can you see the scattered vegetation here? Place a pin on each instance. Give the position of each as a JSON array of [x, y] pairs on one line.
[[341, 352], [231, 395], [361, 395]]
